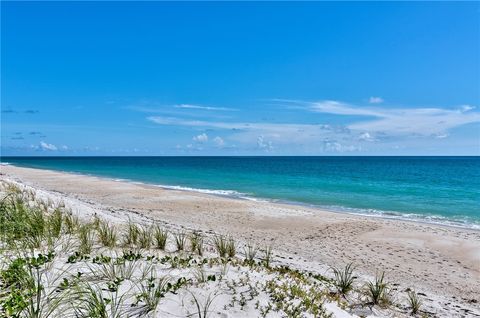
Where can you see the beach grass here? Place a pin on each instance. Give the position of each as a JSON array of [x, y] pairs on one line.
[[145, 237], [160, 235], [344, 279], [203, 308], [414, 302], [71, 223], [377, 291], [180, 240], [231, 247], [196, 243], [75, 267], [85, 235], [132, 234], [250, 252], [220, 243], [268, 252], [107, 234]]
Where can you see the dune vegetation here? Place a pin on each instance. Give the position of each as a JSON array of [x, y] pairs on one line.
[[54, 262]]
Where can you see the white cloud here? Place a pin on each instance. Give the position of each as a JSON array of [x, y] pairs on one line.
[[340, 108], [441, 136], [190, 147], [247, 133], [425, 122], [375, 100], [204, 107], [201, 138], [366, 137], [146, 106], [88, 148], [219, 142], [263, 144], [466, 108], [236, 126], [334, 146], [398, 121], [421, 121], [381, 125], [49, 147]]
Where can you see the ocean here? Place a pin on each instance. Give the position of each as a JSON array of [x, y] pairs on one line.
[[443, 190]]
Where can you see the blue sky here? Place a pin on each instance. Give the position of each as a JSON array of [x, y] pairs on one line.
[[227, 78]]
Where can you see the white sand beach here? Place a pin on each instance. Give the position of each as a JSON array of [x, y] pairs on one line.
[[441, 263]]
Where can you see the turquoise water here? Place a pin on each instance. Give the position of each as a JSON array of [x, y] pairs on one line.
[[431, 189]]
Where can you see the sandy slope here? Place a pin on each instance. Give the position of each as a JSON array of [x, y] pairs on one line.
[[441, 262]]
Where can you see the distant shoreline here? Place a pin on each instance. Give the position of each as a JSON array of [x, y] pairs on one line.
[[381, 214]]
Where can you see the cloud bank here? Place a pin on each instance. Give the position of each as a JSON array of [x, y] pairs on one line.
[[362, 126]]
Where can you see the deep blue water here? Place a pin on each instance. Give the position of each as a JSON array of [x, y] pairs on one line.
[[432, 189]]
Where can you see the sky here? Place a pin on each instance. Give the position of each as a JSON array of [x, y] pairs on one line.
[[230, 78]]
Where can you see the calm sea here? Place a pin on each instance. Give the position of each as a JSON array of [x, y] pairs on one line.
[[429, 189]]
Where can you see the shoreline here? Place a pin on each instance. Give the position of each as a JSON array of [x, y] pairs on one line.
[[440, 261], [388, 215]]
